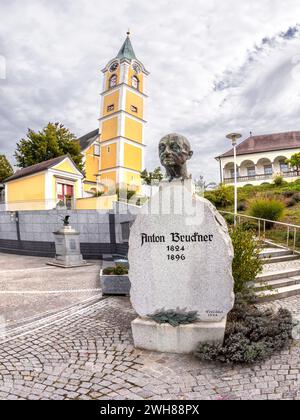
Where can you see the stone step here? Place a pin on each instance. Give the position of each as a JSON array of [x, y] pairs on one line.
[[275, 284], [275, 252], [280, 293], [273, 260], [276, 275]]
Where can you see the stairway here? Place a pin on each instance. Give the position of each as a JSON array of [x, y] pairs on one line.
[[281, 275]]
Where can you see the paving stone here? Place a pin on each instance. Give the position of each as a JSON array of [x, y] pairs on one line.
[[91, 356]]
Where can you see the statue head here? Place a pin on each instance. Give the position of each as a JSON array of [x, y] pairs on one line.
[[174, 151]]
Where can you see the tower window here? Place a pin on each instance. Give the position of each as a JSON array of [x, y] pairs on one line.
[[110, 108], [97, 149], [108, 149], [135, 82], [134, 109], [113, 81]]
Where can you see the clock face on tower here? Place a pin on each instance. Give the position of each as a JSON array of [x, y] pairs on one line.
[[114, 66], [137, 68]]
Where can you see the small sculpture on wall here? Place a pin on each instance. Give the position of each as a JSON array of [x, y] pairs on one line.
[[66, 220]]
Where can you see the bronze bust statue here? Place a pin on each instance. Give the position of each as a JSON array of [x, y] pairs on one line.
[[174, 151]]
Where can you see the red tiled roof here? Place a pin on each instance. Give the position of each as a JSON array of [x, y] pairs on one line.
[[266, 143], [40, 167]]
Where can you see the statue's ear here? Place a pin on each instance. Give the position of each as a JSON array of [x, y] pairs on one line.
[[190, 154]]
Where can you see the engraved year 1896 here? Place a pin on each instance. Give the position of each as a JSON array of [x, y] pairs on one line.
[[176, 253]]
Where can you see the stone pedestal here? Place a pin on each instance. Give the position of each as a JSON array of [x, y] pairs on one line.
[[149, 335], [180, 257], [67, 248]]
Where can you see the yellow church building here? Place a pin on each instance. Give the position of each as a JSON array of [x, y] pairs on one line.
[[44, 186], [114, 154]]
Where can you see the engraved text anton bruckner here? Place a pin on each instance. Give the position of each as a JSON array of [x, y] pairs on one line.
[[176, 238]]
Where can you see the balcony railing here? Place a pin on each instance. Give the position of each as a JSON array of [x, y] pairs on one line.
[[261, 177]]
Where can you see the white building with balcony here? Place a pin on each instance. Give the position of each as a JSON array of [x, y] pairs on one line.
[[260, 158]]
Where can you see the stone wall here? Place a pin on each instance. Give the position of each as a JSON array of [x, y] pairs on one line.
[[31, 232]]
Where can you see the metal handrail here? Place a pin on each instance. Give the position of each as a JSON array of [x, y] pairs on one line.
[[264, 222], [257, 218], [258, 177]]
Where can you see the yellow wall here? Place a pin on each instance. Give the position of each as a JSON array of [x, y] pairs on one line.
[[92, 165], [110, 176], [109, 180], [96, 203], [108, 156], [88, 187], [30, 189], [108, 75], [132, 179], [65, 167], [112, 99], [132, 157], [109, 129], [133, 130], [137, 101]]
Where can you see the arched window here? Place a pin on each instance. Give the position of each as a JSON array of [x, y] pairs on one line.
[[113, 81], [135, 82]]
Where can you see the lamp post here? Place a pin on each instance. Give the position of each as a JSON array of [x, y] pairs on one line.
[[234, 138]]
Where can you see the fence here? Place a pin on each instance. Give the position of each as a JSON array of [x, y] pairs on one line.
[[284, 234]]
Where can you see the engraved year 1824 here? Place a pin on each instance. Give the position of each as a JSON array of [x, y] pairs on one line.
[[176, 253]]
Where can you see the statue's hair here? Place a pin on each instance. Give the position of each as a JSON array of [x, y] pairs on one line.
[[177, 136]]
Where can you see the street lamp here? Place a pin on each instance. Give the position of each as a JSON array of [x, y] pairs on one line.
[[234, 138]]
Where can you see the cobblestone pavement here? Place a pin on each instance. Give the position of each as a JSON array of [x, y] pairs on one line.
[[88, 353]]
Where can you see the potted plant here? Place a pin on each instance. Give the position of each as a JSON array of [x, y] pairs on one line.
[[115, 280]]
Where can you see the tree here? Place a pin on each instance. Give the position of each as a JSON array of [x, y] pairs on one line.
[[52, 141], [6, 169], [202, 185], [150, 177], [295, 162]]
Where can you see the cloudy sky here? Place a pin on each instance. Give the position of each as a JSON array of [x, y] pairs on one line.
[[216, 66]]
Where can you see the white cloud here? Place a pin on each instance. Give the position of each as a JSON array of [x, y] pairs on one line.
[[55, 50]]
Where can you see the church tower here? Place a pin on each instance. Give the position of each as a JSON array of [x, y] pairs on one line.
[[122, 119]]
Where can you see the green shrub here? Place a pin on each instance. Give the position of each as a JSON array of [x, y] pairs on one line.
[[108, 271], [242, 206], [288, 193], [296, 197], [119, 270], [98, 194], [252, 335], [246, 264], [221, 197], [278, 181], [249, 226], [269, 209], [229, 219], [290, 202], [125, 194], [141, 201]]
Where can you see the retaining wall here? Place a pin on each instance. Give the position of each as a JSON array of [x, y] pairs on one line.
[[101, 232]]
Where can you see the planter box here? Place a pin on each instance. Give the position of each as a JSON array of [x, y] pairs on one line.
[[115, 285]]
